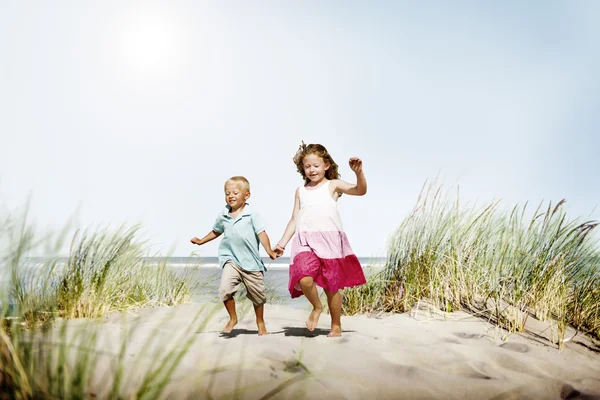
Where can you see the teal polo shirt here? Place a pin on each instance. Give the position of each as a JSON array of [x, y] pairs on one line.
[[240, 238]]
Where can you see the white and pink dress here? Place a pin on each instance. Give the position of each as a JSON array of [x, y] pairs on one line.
[[320, 248]]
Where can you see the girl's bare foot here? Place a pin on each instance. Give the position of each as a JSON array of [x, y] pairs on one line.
[[262, 329], [313, 319], [229, 327], [336, 331]]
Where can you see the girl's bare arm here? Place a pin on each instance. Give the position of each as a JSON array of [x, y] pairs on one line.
[[358, 189], [210, 236], [291, 226]]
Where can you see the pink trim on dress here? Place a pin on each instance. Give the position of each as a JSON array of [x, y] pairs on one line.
[[323, 244]]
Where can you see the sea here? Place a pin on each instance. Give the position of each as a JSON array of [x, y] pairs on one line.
[[206, 272]]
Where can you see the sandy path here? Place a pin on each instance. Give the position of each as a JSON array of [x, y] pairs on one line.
[[409, 356]]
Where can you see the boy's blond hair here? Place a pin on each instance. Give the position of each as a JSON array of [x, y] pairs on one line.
[[241, 180]]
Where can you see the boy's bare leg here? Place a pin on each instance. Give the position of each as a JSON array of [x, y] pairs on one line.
[[334, 300], [260, 322], [309, 288], [230, 306]]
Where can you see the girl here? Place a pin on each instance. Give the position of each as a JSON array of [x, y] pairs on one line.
[[321, 253]]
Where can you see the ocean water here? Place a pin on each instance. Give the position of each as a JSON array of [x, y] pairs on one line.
[[207, 273], [276, 278], [278, 263]]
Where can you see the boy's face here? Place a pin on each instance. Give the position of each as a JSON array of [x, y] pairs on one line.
[[235, 194]]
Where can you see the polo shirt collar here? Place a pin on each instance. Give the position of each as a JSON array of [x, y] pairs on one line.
[[247, 210]]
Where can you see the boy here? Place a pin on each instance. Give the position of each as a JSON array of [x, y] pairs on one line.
[[242, 229]]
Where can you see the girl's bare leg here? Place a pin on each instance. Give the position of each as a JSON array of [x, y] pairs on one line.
[[334, 300], [230, 307], [309, 288]]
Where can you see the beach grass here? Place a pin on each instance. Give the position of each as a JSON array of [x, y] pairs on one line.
[[66, 361], [105, 271], [506, 265]]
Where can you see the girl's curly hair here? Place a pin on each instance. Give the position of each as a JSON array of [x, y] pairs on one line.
[[320, 151]]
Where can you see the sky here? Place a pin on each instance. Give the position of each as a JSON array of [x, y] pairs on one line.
[[126, 112]]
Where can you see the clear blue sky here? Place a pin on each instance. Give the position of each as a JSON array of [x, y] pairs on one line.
[[138, 111]]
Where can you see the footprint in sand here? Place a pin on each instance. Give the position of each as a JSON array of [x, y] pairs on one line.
[[512, 363], [517, 347], [569, 392], [464, 335], [450, 340], [466, 370]]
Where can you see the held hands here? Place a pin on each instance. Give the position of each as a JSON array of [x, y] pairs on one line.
[[355, 165], [278, 250]]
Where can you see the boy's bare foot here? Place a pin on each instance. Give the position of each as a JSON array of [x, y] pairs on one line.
[[313, 319], [229, 327], [262, 329], [336, 331]]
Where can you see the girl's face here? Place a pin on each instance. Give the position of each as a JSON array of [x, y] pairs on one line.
[[314, 167]]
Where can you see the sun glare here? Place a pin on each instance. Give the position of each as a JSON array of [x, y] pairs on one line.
[[150, 45]]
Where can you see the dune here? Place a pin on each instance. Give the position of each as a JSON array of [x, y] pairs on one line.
[[418, 355]]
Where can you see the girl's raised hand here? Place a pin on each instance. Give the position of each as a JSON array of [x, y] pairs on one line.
[[355, 165]]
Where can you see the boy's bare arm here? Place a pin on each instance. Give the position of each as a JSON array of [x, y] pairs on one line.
[[264, 240], [210, 236]]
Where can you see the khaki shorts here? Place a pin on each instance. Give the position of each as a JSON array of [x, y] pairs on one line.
[[254, 281]]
